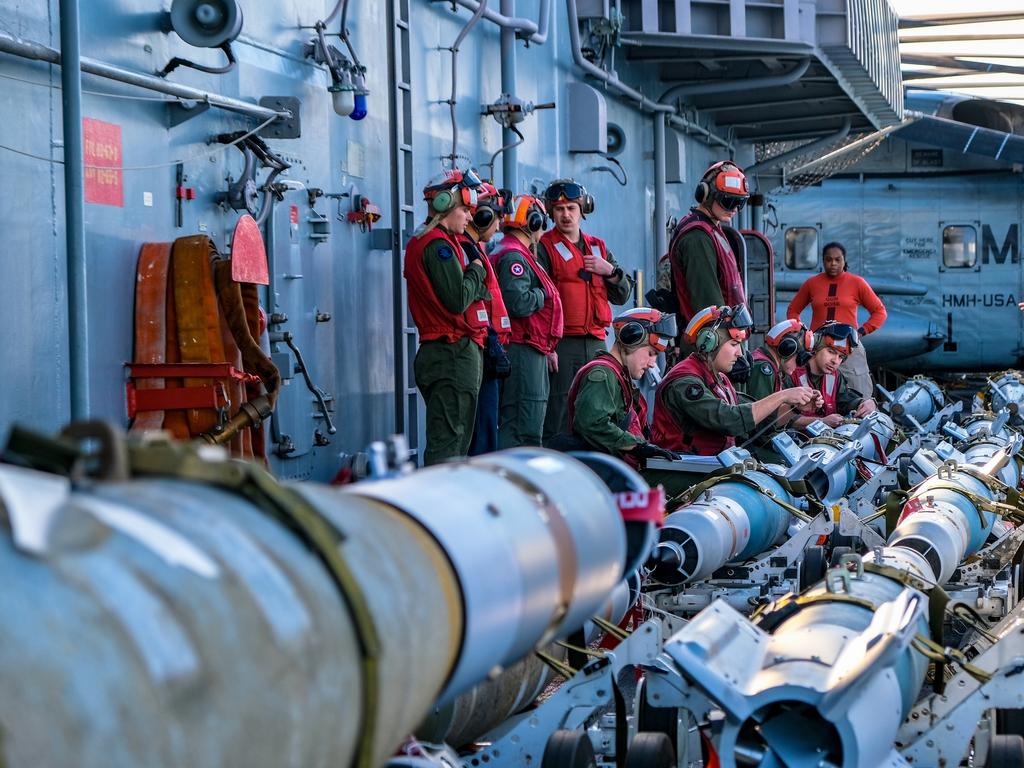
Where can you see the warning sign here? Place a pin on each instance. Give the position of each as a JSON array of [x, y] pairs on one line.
[[102, 155]]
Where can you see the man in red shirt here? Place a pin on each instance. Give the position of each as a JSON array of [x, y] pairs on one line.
[[834, 295]]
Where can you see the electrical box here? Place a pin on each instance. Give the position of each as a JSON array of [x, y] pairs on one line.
[[592, 9], [675, 157], [588, 119]]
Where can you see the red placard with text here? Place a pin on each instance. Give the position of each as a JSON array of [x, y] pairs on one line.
[[102, 154]]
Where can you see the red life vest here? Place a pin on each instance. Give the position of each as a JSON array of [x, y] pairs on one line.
[[829, 388], [635, 405], [666, 430], [584, 302], [780, 378], [543, 328], [728, 272], [432, 319], [500, 322]]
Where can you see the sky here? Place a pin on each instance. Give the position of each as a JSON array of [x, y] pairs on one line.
[[990, 85]]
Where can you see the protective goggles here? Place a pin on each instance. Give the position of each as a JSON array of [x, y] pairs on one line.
[[470, 179], [739, 322], [568, 190], [842, 337], [730, 202]]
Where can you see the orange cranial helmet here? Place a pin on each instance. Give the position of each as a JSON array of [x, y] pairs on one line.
[[709, 328], [526, 213]]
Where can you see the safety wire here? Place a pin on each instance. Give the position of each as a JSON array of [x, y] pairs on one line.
[[169, 164]]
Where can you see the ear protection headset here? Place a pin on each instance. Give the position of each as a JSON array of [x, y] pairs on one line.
[[527, 214], [707, 341], [737, 182], [631, 334], [702, 330], [454, 188], [570, 190], [787, 336], [483, 217]]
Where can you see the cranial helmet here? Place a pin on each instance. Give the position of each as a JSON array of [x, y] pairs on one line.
[[568, 190], [525, 213], [789, 338], [644, 325], [839, 336], [723, 183], [451, 189], [712, 326]]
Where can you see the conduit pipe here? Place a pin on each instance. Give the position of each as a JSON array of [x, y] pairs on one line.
[[510, 158], [522, 28], [731, 86], [74, 213], [804, 149], [660, 235], [28, 49], [644, 104]]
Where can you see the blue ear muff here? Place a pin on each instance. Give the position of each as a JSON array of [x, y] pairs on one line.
[[442, 202], [707, 341]]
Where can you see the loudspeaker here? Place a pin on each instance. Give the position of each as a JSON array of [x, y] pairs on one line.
[[206, 23], [707, 341]]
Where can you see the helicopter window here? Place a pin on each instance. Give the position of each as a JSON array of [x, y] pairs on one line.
[[801, 248], [959, 246]]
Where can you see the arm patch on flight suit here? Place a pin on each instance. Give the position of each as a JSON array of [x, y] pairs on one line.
[[598, 374], [445, 252], [516, 269], [766, 369], [694, 392]]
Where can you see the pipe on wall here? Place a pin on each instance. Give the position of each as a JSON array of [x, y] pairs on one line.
[[523, 28], [660, 234], [731, 86], [28, 49], [510, 158], [804, 149], [74, 212]]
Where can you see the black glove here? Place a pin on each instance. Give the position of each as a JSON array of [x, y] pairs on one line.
[[652, 451], [741, 369]]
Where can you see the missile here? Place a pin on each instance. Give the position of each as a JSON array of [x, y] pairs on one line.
[[1005, 391], [192, 611], [742, 516], [915, 402], [827, 677]]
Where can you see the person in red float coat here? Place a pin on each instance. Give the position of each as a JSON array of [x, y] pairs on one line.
[[696, 410], [536, 312], [704, 271], [588, 279], [607, 413], [490, 207], [446, 291], [832, 343]]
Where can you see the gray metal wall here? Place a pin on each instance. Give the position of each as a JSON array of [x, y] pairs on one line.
[[352, 357]]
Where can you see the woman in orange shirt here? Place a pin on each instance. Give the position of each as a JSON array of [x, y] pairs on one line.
[[835, 295]]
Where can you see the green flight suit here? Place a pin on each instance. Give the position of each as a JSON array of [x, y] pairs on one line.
[[576, 351], [695, 407], [694, 256], [524, 397], [449, 375], [601, 416]]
